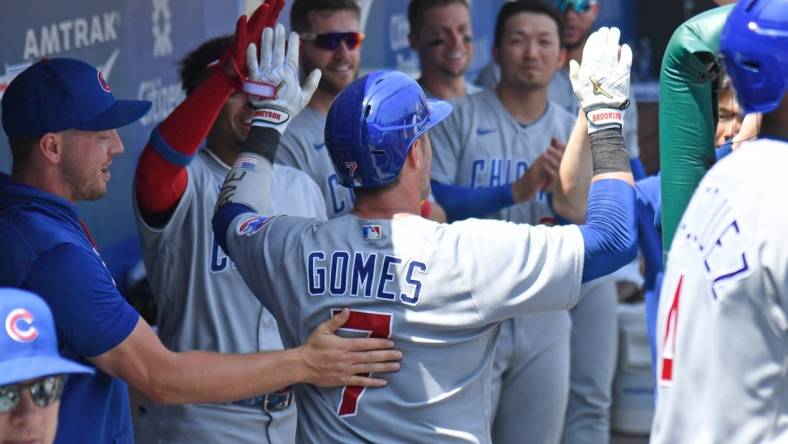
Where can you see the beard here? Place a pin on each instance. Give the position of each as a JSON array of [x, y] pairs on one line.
[[83, 185], [328, 84]]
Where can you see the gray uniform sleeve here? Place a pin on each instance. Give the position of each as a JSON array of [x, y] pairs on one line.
[[446, 147], [512, 269]]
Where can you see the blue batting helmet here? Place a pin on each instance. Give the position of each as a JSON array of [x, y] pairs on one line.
[[754, 42], [372, 124]]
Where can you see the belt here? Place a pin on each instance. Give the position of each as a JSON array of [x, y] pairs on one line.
[[270, 402]]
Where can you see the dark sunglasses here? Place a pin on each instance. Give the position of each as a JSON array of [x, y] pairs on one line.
[[331, 40], [580, 6], [44, 392]]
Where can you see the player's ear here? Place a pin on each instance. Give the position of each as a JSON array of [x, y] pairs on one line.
[[412, 40], [594, 9], [50, 146], [496, 55]]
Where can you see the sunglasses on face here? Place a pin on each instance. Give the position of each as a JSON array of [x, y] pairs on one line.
[[580, 6], [44, 392], [331, 40]]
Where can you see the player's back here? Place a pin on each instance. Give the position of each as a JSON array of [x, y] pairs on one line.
[[437, 290], [723, 318]]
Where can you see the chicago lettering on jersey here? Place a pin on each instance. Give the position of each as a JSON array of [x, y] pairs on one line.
[[340, 273], [339, 204], [493, 172]]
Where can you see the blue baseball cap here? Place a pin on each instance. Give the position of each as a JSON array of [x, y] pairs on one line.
[[28, 341], [55, 95]]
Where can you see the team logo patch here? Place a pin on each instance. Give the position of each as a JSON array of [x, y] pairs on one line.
[[19, 326], [245, 162], [371, 231], [103, 83], [252, 225]]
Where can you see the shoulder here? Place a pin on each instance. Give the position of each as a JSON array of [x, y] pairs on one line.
[[289, 177]]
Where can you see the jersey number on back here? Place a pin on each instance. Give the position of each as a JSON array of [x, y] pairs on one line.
[[375, 325], [669, 343]]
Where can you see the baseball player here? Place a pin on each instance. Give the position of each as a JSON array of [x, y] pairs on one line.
[[32, 372], [331, 40], [723, 312], [442, 35], [492, 143], [440, 290], [202, 302]]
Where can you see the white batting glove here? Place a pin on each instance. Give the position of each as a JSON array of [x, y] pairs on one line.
[[273, 85], [601, 83]]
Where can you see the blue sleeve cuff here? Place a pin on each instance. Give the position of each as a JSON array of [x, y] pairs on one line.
[[724, 149], [167, 152], [638, 171], [222, 220], [466, 202], [610, 233]]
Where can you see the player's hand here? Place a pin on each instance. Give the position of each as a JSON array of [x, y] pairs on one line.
[[332, 361], [542, 175], [273, 85], [601, 83], [246, 32]]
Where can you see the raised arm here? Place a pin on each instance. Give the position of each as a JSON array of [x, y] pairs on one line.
[[574, 175], [161, 178], [602, 85]]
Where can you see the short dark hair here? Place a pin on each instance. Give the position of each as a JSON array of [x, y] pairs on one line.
[[193, 68], [299, 14], [21, 150], [546, 7], [416, 10]]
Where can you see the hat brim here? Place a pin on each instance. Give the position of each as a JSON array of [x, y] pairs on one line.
[[33, 367], [121, 113], [439, 110]]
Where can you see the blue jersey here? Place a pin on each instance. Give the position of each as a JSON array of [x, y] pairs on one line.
[[47, 250]]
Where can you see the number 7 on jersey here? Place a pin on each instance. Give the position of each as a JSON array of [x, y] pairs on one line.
[[375, 325]]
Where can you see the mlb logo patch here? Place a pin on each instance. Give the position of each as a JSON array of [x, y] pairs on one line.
[[251, 226], [371, 231], [245, 162]]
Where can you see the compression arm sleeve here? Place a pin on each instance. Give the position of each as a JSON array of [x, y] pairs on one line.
[[466, 202], [161, 177], [246, 188], [610, 233]]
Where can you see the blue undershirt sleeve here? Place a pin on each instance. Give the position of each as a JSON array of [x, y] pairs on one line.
[[638, 171], [465, 202], [222, 220], [610, 232], [91, 315]]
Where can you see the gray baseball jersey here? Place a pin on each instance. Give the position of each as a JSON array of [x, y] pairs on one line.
[[203, 303], [722, 327], [437, 290], [303, 147], [480, 145], [560, 92]]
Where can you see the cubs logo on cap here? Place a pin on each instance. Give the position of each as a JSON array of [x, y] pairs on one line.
[[28, 343], [19, 325], [103, 83], [59, 94]]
